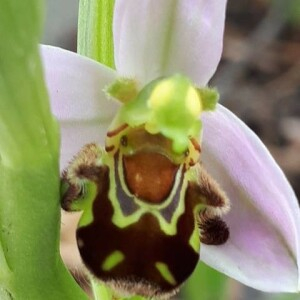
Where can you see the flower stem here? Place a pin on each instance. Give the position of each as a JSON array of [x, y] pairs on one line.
[[95, 34]]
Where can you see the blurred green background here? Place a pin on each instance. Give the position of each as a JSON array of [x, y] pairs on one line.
[[258, 79]]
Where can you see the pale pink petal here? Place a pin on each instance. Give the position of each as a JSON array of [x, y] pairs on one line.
[[264, 248], [74, 135], [75, 86], [155, 38]]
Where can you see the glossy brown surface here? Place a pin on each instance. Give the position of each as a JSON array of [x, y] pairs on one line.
[[149, 176]]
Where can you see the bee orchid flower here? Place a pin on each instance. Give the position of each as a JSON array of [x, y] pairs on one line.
[[152, 43]]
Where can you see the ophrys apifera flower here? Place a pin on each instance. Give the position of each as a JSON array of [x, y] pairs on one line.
[[136, 192]]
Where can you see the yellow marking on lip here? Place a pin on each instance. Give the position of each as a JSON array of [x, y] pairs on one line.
[[112, 260], [194, 240], [85, 204], [165, 272]]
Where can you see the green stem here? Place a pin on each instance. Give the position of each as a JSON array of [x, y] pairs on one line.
[[30, 264], [95, 34]]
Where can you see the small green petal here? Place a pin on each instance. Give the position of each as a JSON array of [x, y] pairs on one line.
[[209, 98], [136, 112], [123, 89]]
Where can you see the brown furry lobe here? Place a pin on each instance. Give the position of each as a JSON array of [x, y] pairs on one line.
[[142, 257]]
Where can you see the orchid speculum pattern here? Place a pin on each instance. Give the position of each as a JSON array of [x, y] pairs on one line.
[[148, 188], [143, 165]]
